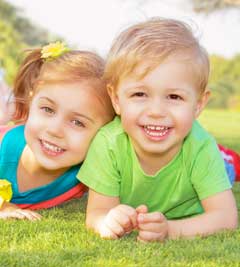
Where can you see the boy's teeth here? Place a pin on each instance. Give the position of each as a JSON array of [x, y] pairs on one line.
[[51, 147], [156, 131], [155, 128]]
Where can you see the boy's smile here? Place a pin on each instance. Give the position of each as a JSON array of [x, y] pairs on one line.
[[157, 111], [156, 132]]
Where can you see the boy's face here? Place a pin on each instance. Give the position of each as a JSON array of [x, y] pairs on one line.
[[62, 121], [157, 112]]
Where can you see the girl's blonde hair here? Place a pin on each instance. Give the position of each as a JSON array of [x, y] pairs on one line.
[[71, 67], [150, 43]]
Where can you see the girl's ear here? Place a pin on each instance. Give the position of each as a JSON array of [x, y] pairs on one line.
[[202, 102], [114, 98]]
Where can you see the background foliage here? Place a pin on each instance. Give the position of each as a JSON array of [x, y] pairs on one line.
[[17, 33]]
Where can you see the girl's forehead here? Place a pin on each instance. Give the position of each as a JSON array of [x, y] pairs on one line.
[[71, 96]]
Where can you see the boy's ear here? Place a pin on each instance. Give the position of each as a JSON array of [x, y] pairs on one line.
[[114, 98], [202, 102]]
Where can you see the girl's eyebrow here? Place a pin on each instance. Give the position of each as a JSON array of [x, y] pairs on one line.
[[74, 112], [82, 115], [46, 98]]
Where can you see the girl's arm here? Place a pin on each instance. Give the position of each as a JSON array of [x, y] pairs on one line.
[[220, 213], [9, 210], [109, 218]]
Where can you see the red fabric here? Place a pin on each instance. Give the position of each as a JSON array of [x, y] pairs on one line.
[[75, 192], [234, 158]]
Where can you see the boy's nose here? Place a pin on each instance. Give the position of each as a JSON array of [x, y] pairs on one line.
[[157, 108]]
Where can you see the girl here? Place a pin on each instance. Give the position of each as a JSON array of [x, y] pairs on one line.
[[62, 97]]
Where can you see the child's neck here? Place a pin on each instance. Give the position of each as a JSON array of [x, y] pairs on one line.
[[152, 163], [31, 174]]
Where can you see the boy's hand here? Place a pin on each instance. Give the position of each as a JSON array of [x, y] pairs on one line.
[[120, 220], [12, 211], [152, 226]]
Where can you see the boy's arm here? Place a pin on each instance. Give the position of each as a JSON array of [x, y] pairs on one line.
[[109, 218], [220, 213]]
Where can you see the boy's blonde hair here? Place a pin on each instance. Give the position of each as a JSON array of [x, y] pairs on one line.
[[150, 43], [71, 67]]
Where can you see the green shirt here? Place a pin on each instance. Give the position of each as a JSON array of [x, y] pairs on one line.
[[197, 172]]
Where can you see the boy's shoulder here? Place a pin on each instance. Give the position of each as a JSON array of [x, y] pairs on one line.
[[112, 136], [113, 129], [199, 140], [199, 135]]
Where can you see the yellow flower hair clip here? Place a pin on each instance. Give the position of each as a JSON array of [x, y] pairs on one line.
[[54, 50], [5, 191]]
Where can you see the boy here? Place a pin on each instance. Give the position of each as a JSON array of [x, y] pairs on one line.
[[154, 168]]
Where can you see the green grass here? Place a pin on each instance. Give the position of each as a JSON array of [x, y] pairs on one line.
[[224, 125], [61, 240]]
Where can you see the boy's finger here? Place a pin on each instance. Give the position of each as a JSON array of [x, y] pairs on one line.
[[105, 232], [150, 217], [123, 219], [152, 227], [142, 209], [114, 226], [145, 236], [130, 213]]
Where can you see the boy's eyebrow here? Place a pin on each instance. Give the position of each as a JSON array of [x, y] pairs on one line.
[[179, 89], [74, 113], [134, 86]]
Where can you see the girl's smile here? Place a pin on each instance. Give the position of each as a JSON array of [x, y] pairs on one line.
[[51, 149], [61, 124]]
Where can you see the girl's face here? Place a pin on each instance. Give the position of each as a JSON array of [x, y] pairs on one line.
[[62, 121]]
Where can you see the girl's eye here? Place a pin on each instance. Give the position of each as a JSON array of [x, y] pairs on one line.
[[78, 123], [48, 110], [139, 94], [175, 97]]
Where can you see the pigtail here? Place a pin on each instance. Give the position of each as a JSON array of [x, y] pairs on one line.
[[25, 83]]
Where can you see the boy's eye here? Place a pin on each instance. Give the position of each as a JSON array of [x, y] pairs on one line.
[[78, 123], [47, 110], [175, 97], [138, 94]]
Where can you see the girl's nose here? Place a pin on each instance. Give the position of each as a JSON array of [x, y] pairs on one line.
[[56, 127]]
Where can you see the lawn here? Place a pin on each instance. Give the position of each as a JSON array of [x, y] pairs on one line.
[[60, 238]]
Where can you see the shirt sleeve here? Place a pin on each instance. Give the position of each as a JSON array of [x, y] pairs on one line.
[[99, 171], [209, 175]]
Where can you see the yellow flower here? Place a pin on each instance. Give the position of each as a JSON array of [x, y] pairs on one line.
[[53, 50], [5, 191]]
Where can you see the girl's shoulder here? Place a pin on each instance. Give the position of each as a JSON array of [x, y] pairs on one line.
[[12, 132], [13, 139]]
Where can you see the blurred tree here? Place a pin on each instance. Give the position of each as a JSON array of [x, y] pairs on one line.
[[212, 5], [17, 33], [225, 82], [31, 34], [10, 46]]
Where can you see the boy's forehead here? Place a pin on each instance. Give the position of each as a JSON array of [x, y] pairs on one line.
[[172, 72], [144, 67]]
